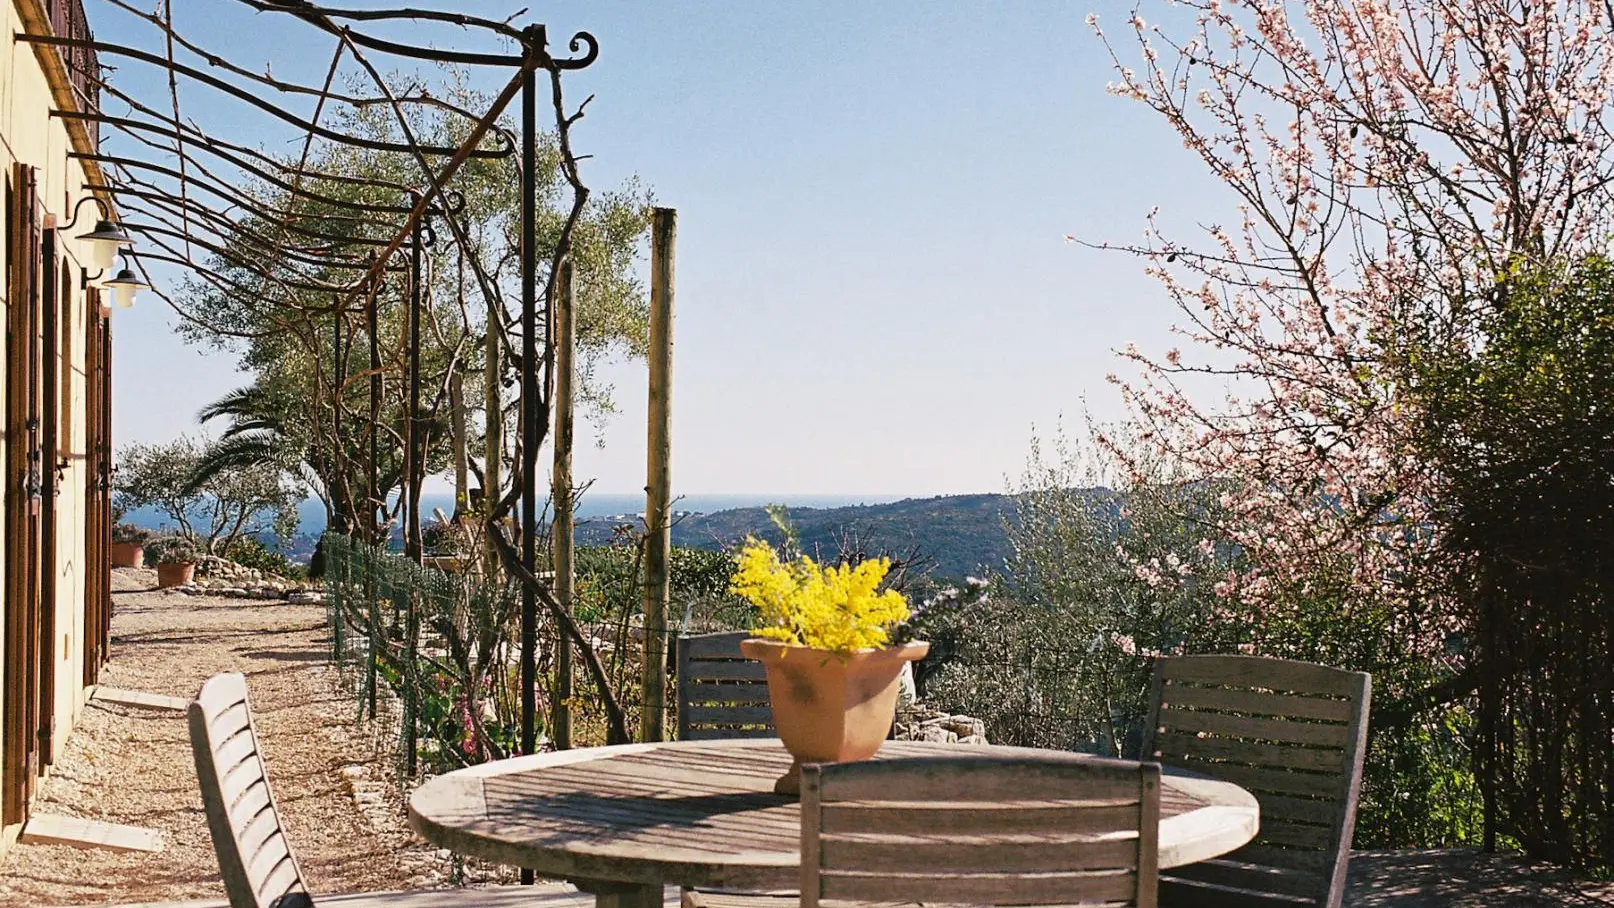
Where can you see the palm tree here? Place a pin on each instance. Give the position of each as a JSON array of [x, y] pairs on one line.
[[256, 434], [268, 427]]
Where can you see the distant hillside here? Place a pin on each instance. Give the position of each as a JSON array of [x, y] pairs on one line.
[[962, 533]]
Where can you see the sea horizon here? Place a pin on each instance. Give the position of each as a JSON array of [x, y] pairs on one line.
[[595, 505], [592, 505]]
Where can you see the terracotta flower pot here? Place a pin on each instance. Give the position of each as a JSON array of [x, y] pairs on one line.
[[128, 554], [175, 573], [830, 707], [448, 564]]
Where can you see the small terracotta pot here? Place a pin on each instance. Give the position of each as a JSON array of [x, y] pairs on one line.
[[175, 573], [448, 564], [128, 554], [830, 707]]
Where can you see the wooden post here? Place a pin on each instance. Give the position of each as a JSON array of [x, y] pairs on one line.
[[373, 502], [493, 441], [413, 469], [658, 481], [456, 408], [338, 440], [563, 538], [530, 432]]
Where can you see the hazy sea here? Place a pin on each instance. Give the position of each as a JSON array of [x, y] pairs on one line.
[[311, 514], [613, 504]]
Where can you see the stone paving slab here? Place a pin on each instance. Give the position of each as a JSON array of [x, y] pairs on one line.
[[139, 699], [52, 829]]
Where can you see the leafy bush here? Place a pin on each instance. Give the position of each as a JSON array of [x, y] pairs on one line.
[[250, 552], [172, 550], [129, 534], [1108, 567], [1115, 560], [1518, 424], [608, 587], [440, 538], [1056, 652]]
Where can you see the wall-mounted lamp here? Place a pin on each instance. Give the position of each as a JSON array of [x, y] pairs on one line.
[[124, 285], [106, 241], [108, 237]]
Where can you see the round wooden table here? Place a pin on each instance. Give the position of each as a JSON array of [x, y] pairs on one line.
[[623, 821]]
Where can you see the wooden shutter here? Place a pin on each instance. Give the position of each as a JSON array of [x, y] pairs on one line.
[[23, 474], [97, 490]]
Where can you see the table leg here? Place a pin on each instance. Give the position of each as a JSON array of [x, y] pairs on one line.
[[609, 894]]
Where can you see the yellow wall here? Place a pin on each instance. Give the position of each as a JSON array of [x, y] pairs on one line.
[[28, 134]]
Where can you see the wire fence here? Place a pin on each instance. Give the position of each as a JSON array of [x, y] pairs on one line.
[[440, 648], [433, 650], [444, 644], [431, 657]]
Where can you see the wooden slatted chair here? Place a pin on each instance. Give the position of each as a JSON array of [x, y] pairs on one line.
[[721, 693], [1294, 734], [255, 859], [1078, 832]]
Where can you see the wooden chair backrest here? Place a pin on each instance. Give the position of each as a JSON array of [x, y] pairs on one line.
[[981, 830], [1294, 735], [255, 859], [721, 694]]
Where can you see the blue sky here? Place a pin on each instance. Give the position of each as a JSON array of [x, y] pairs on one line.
[[874, 291]]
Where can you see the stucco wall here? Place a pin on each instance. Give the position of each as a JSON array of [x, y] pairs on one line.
[[30, 135]]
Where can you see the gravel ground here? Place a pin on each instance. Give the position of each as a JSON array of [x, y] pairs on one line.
[[1465, 878], [337, 794]]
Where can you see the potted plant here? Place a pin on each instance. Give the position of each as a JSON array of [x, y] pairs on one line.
[[823, 635], [128, 545], [176, 563], [443, 541]]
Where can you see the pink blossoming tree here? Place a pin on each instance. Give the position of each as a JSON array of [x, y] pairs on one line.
[[1394, 164]]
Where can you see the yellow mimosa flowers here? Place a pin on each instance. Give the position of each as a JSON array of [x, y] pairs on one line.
[[805, 604]]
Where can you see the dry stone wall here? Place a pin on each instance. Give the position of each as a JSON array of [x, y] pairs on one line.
[[217, 576]]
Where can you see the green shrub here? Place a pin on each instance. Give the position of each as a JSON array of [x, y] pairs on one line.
[[1107, 571], [129, 534], [250, 552], [172, 550], [608, 587], [440, 538]]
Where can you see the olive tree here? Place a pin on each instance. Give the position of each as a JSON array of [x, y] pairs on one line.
[[215, 511], [1113, 560]]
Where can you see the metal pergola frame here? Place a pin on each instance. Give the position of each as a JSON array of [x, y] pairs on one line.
[[351, 270]]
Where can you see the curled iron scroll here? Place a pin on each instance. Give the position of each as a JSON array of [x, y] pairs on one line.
[[578, 41]]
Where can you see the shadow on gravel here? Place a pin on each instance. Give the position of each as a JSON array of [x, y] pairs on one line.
[[1465, 878], [287, 655]]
